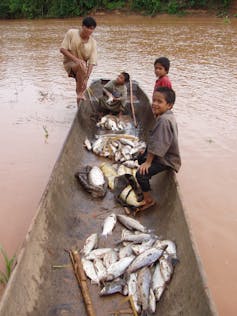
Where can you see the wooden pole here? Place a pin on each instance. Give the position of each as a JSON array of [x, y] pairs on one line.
[[132, 106], [82, 280]]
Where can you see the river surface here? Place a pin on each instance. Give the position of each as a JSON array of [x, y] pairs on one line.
[[37, 102]]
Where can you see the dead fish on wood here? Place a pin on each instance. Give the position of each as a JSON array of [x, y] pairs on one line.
[[93, 180], [111, 122], [170, 249], [152, 302], [107, 146], [138, 249], [90, 243], [146, 258], [125, 251], [113, 287], [118, 268], [166, 268], [158, 282], [87, 144], [143, 286], [97, 253], [131, 223], [96, 176], [100, 269], [109, 224], [132, 290], [90, 271], [137, 238], [109, 258]]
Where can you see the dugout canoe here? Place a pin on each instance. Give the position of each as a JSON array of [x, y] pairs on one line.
[[67, 215]]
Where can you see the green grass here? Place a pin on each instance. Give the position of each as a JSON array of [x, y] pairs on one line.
[[9, 263]]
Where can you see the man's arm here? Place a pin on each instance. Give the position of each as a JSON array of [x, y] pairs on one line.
[[68, 54]]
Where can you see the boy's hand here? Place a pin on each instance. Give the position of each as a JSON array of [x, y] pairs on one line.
[[143, 169]]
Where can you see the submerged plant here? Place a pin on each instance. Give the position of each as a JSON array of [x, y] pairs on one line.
[[46, 133], [9, 263], [226, 19]]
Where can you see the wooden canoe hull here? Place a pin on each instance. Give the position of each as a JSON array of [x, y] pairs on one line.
[[67, 215]]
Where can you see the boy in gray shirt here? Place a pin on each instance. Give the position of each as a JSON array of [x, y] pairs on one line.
[[115, 95], [162, 152]]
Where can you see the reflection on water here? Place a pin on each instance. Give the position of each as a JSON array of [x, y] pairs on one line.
[[36, 95]]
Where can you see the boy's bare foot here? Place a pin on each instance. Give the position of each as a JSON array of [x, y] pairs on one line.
[[145, 206]]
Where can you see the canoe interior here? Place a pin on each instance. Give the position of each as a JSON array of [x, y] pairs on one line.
[[67, 215]]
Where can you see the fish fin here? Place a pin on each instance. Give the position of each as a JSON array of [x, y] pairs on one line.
[[174, 261]]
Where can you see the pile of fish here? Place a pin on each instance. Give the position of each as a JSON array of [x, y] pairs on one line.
[[140, 266], [118, 147], [93, 180], [111, 122]]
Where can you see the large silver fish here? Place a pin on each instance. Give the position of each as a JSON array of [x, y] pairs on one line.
[[132, 290], [96, 176], [170, 249], [131, 223], [146, 258], [125, 251], [89, 269], [97, 253], [152, 302], [98, 145], [100, 269], [113, 287], [110, 258], [118, 268], [111, 122], [158, 282], [166, 268], [143, 285], [109, 224], [137, 238], [138, 249], [90, 243]]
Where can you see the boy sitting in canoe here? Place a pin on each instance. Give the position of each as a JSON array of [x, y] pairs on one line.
[[162, 152], [115, 95]]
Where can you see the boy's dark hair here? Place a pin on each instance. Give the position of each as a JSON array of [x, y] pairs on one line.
[[126, 76], [164, 61], [168, 93], [89, 22]]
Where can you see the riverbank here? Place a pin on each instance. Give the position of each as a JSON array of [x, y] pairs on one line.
[[149, 8]]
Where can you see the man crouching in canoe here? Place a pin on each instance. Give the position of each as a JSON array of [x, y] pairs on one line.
[[80, 54], [162, 152]]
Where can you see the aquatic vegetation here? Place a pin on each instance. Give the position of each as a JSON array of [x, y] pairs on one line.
[[9, 265], [46, 133], [227, 20]]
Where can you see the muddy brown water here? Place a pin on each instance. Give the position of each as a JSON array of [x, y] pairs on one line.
[[38, 105]]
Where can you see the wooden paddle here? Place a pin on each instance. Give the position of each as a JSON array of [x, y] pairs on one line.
[[132, 106], [82, 281]]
